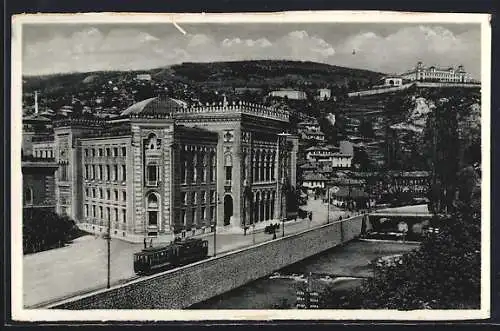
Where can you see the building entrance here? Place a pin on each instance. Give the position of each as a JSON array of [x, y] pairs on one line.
[[228, 209]]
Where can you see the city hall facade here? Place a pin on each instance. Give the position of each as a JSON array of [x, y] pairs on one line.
[[163, 168]]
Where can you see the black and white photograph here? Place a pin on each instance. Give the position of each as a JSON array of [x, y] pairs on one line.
[[320, 165]]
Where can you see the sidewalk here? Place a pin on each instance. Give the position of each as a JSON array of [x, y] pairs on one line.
[[81, 266]]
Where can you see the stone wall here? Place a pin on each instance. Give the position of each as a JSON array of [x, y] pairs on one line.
[[200, 281]]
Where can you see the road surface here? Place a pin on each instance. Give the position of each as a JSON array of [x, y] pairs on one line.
[[81, 266]]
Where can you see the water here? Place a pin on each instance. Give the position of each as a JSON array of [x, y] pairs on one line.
[[341, 268]]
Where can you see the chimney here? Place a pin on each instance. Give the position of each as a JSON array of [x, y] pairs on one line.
[[36, 102]]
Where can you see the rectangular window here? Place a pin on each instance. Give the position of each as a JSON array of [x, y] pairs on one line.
[[124, 173], [108, 213], [93, 211], [194, 199], [124, 215], [115, 151], [115, 218], [108, 194], [203, 197], [93, 172], [99, 173], [183, 217], [203, 213], [195, 216], [229, 172], [116, 195], [108, 151], [100, 152], [93, 193], [108, 171], [87, 192], [124, 195], [184, 198], [183, 171], [212, 213], [115, 172], [86, 152], [153, 217], [124, 151], [93, 152], [152, 174], [101, 195], [213, 196], [86, 212], [100, 212]]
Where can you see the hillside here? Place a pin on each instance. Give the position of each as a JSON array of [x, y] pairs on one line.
[[262, 74]]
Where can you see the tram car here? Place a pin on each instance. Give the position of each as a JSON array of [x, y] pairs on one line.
[[177, 253]]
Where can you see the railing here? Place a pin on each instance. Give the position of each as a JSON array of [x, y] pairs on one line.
[[43, 139], [237, 107], [31, 158]]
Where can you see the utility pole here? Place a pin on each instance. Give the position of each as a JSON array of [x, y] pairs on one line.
[[328, 204], [108, 239]]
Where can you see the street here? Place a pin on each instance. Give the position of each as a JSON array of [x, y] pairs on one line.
[[82, 265]]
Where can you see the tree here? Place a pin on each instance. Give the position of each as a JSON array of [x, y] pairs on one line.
[[43, 229], [441, 136], [366, 128], [443, 273], [360, 160]]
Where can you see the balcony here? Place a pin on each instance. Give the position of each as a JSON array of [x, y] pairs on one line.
[[152, 183]]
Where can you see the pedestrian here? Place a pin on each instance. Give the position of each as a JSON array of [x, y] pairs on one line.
[[144, 242], [274, 234], [151, 243]]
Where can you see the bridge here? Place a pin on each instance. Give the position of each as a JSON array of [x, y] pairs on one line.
[[182, 287]]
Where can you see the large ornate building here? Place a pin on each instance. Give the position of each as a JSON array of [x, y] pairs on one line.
[[163, 168], [432, 73]]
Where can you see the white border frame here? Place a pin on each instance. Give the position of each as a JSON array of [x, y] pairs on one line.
[[21, 314]]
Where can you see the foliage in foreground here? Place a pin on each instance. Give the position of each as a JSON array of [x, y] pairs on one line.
[[444, 273], [43, 229]]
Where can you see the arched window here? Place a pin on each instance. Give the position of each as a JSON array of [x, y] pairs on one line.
[[28, 196], [153, 208], [153, 142], [213, 167], [195, 167], [228, 166]]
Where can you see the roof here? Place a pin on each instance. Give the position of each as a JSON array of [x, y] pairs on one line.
[[353, 192], [154, 106], [196, 132], [317, 148], [315, 176], [404, 173], [36, 117]]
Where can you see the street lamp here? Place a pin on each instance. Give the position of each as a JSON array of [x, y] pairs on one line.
[[107, 236], [328, 205], [215, 225], [283, 134]]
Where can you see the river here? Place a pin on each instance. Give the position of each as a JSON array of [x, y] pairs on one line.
[[340, 267]]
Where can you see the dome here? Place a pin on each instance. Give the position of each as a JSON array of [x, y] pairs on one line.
[[156, 105]]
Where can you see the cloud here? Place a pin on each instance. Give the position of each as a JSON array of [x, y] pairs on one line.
[[401, 50], [91, 49]]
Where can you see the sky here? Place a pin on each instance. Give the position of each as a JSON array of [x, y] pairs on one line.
[[382, 47]]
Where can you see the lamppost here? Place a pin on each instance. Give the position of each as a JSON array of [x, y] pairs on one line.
[[328, 205], [279, 179], [108, 240], [215, 225]]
